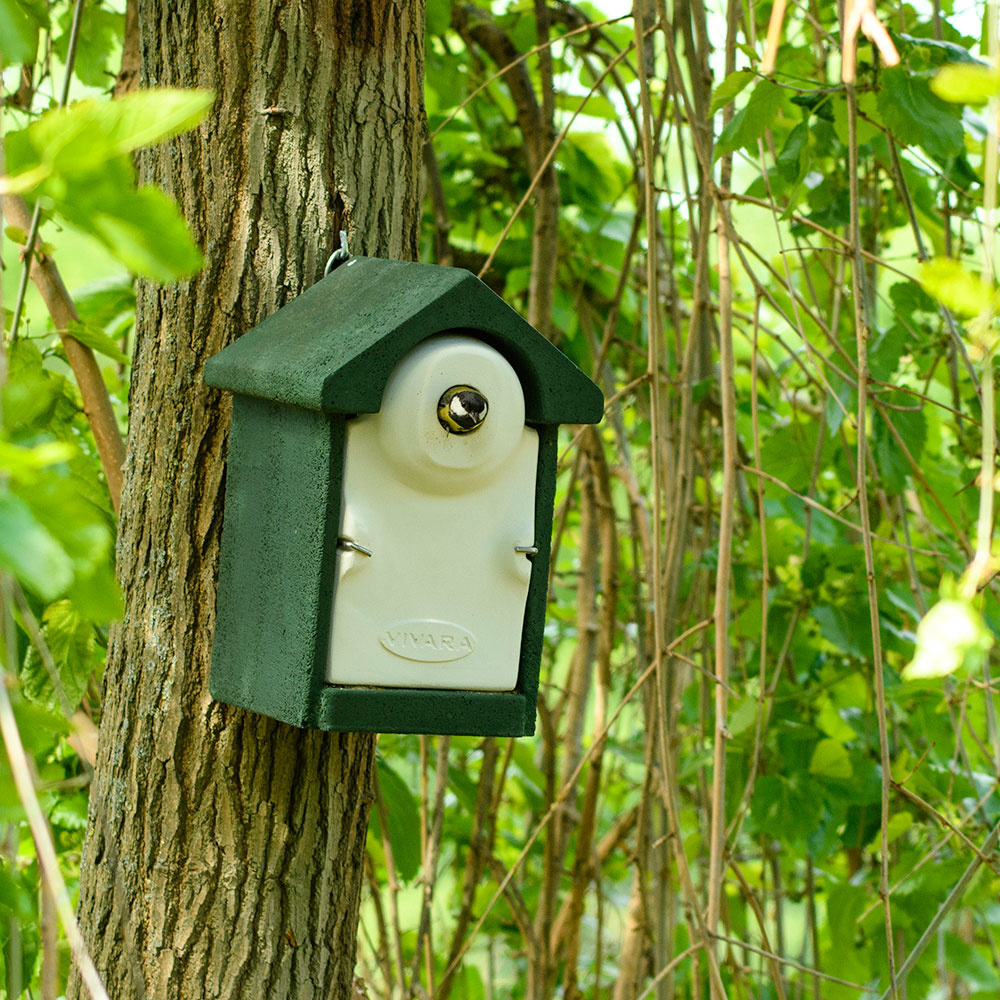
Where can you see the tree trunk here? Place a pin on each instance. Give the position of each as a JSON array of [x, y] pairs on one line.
[[224, 852]]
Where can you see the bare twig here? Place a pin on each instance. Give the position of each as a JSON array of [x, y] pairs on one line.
[[727, 503], [47, 859], [561, 796], [861, 330], [390, 867], [781, 960], [431, 855], [993, 863], [767, 63], [547, 161], [94, 393], [944, 909]]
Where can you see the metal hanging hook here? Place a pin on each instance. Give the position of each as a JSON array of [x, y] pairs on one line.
[[339, 255]]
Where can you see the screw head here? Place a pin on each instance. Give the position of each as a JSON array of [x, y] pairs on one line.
[[462, 409]]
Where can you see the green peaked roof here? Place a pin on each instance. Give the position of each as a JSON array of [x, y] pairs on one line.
[[334, 346]]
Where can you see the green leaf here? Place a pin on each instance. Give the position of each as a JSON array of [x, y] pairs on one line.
[[96, 594], [971, 964], [941, 51], [103, 302], [790, 160], [403, 820], [948, 636], [955, 287], [784, 808], [32, 395], [83, 530], [908, 297], [23, 463], [591, 163], [845, 903], [888, 348], [966, 83], [72, 644], [788, 453], [142, 228], [18, 34], [463, 787], [16, 894], [911, 425], [29, 551], [71, 812], [40, 729], [899, 823], [596, 106], [831, 722], [847, 626], [98, 340], [917, 117], [438, 17], [730, 88], [744, 714], [84, 135], [830, 760], [25, 181], [867, 109], [752, 121], [100, 33], [469, 984], [76, 158]]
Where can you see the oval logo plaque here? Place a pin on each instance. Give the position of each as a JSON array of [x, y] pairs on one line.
[[428, 641]]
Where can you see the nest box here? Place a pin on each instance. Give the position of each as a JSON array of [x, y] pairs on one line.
[[389, 496]]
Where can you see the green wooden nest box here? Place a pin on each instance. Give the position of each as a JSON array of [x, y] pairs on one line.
[[389, 496]]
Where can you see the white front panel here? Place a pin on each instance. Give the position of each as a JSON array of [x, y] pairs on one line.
[[440, 602]]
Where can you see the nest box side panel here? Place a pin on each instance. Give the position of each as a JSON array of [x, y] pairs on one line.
[[274, 578], [534, 618]]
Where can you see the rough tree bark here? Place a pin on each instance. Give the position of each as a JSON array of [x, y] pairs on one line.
[[224, 852]]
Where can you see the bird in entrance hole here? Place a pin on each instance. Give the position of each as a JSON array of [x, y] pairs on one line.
[[462, 409]]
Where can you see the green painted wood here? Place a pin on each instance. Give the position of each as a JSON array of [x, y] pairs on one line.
[[441, 713], [333, 347], [282, 511], [533, 633]]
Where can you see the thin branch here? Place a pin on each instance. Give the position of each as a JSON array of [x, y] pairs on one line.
[[945, 908], [861, 327], [945, 822], [393, 880], [773, 959], [508, 66], [94, 393], [547, 161], [431, 855], [727, 502], [816, 505], [561, 796], [47, 858], [795, 965], [667, 969]]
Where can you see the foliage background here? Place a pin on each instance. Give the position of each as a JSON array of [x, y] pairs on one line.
[[767, 751]]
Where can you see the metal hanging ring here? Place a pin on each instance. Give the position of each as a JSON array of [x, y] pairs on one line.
[[338, 256]]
